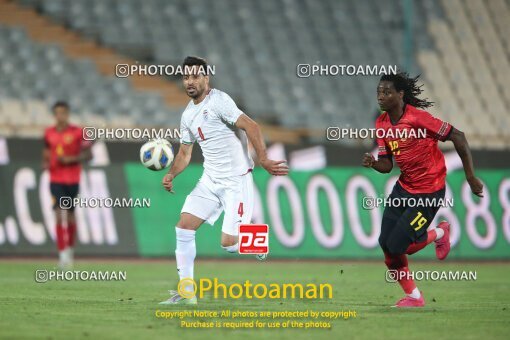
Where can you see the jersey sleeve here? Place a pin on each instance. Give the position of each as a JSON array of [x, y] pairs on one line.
[[382, 148], [435, 127], [186, 135], [226, 109]]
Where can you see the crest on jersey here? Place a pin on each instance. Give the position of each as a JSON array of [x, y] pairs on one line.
[[68, 139], [205, 114]]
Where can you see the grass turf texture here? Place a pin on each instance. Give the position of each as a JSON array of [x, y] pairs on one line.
[[126, 309]]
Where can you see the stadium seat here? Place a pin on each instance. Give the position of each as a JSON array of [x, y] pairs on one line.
[[461, 49]]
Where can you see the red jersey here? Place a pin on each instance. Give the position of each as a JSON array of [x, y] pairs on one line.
[[67, 142], [421, 163]]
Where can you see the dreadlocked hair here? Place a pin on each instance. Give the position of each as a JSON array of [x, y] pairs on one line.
[[403, 82]]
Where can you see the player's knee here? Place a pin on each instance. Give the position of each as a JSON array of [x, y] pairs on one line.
[[58, 216], [71, 217], [185, 224]]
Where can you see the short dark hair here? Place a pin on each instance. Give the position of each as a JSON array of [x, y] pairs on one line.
[[60, 103], [403, 82], [190, 61]]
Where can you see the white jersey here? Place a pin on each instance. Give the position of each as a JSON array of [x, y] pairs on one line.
[[212, 124]]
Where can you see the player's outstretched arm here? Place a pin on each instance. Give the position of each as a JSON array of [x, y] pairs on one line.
[[462, 147], [180, 163], [275, 168], [383, 164]]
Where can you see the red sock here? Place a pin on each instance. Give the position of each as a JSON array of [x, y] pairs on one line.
[[414, 247], [61, 237], [399, 264], [71, 234], [405, 281]]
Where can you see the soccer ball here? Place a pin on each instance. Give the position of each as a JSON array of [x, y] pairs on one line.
[[157, 154]]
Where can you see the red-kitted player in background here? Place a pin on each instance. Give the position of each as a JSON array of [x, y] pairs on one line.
[[64, 151]]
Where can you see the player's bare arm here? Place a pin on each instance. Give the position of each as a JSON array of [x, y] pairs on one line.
[[46, 158], [462, 147], [254, 133], [383, 164], [180, 163]]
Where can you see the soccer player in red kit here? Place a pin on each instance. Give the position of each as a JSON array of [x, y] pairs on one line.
[[423, 172], [64, 151]]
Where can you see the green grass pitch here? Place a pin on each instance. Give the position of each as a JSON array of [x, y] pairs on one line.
[[126, 309]]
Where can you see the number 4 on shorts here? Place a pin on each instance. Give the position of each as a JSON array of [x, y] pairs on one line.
[[240, 210]]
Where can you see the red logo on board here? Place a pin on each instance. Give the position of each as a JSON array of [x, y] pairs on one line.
[[253, 239]]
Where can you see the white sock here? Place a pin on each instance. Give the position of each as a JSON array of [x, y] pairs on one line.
[[415, 294], [232, 249], [62, 255], [439, 233], [185, 253]]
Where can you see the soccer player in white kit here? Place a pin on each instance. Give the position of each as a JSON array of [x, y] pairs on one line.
[[213, 120]]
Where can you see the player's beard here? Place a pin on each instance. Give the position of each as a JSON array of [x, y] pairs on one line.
[[196, 93]]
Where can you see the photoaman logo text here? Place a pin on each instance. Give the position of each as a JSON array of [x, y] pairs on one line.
[[188, 288]]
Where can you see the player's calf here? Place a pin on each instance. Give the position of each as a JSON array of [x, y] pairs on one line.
[[229, 243]]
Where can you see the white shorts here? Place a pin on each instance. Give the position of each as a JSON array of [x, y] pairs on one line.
[[234, 195]]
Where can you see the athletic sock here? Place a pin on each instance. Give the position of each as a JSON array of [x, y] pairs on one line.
[[440, 233], [405, 281], [415, 294], [399, 264], [70, 254], [232, 249], [185, 253], [431, 236], [71, 234], [61, 237]]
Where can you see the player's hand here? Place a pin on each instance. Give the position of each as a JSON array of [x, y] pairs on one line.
[[168, 183], [275, 168], [476, 186], [368, 160]]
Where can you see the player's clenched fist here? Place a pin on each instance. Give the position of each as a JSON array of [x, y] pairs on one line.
[[368, 160], [168, 182], [275, 168], [476, 186]]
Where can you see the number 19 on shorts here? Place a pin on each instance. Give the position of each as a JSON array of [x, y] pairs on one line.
[[419, 221], [253, 239]]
